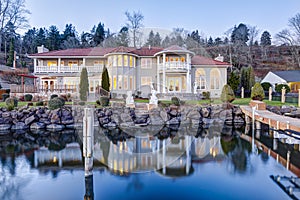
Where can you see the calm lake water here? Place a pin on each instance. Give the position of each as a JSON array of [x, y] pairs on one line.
[[157, 163]]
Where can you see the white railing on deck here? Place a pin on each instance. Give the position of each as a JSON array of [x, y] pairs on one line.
[[67, 69], [174, 65]]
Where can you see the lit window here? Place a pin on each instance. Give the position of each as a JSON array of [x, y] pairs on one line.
[[182, 59], [72, 63], [51, 63], [146, 63], [131, 61], [120, 64], [146, 80], [62, 63], [131, 83], [115, 61], [200, 79], [120, 82], [215, 79], [125, 60], [125, 82], [114, 82]]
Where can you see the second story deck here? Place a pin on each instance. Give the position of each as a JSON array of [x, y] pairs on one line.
[[67, 69]]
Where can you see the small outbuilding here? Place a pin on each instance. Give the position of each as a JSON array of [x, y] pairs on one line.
[[291, 78]]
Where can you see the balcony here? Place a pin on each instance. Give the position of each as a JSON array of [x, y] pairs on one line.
[[176, 66], [67, 69]]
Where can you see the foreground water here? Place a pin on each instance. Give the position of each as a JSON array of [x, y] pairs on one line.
[[177, 163]]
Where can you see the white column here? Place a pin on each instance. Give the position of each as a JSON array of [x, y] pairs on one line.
[[158, 78], [34, 64], [59, 64], [83, 62], [188, 73], [164, 74]]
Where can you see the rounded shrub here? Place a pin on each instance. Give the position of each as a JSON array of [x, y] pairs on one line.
[[5, 96], [206, 95], [266, 86], [175, 101], [280, 86], [81, 103], [28, 97], [104, 101], [257, 92], [56, 103], [227, 95], [11, 103]]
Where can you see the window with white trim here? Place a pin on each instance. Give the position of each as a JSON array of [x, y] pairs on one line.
[[200, 79], [214, 79], [146, 80], [146, 63]]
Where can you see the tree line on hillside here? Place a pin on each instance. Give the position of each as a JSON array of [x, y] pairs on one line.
[[238, 41]]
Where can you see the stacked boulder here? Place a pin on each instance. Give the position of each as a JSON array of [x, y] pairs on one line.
[[36, 118]]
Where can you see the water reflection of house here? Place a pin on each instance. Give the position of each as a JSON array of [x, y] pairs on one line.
[[70, 154], [171, 156]]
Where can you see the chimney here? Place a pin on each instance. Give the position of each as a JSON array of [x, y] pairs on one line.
[[219, 58], [149, 47], [42, 49]]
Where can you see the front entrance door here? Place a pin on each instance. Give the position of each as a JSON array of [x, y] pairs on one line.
[[174, 84]]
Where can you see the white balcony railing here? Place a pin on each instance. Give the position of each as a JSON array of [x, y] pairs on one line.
[[175, 66], [67, 69]]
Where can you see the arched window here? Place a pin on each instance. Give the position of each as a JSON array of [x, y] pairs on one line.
[[200, 79], [215, 79]]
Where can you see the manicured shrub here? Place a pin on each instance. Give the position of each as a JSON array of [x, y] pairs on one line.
[[53, 96], [266, 86], [98, 102], [206, 95], [5, 96], [11, 103], [81, 103], [175, 101], [105, 83], [28, 97], [56, 103], [227, 95], [104, 101], [257, 92], [83, 85], [39, 103], [280, 86]]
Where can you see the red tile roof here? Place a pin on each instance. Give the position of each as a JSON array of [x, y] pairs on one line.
[[146, 51], [200, 60]]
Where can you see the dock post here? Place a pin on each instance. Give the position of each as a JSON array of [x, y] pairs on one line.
[[283, 95], [242, 92], [270, 93], [88, 140], [88, 148], [288, 155]]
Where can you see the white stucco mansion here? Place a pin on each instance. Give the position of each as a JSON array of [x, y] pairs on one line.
[[170, 70]]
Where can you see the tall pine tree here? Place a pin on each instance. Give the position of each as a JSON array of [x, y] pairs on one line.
[[11, 54], [83, 85]]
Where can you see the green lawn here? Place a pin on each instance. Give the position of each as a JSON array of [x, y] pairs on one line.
[[237, 101]]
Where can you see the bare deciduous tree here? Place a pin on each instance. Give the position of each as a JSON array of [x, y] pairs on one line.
[[291, 37], [12, 12], [134, 24]]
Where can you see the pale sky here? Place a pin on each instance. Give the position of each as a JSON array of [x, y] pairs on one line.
[[212, 17]]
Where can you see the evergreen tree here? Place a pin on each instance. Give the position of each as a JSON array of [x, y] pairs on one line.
[[11, 54], [234, 81], [53, 38], [157, 40], [150, 40], [265, 39], [105, 84], [83, 85], [99, 34], [41, 37], [123, 37], [166, 42], [240, 34], [210, 42], [30, 41]]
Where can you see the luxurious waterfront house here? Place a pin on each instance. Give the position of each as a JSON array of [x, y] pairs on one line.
[[168, 71]]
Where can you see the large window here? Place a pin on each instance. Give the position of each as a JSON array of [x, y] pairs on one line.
[[131, 83], [214, 79], [51, 63], [72, 63], [131, 61], [120, 61], [146, 63], [98, 62], [125, 60], [115, 61], [200, 79], [146, 80], [125, 82], [120, 82], [114, 82]]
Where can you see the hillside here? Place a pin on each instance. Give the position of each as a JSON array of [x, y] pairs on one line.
[[262, 59]]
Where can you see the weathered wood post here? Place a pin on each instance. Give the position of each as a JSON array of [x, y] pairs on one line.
[[298, 97], [270, 93], [88, 140], [242, 92], [283, 95]]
